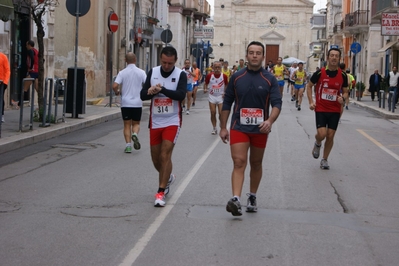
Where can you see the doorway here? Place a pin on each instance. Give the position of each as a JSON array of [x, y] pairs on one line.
[[272, 53], [20, 34]]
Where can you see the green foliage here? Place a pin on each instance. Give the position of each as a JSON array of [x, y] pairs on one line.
[[360, 86], [38, 116]]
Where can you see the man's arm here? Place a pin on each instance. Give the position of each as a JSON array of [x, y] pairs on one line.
[[180, 93], [144, 90]]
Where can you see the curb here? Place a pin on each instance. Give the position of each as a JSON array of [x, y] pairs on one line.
[[379, 111], [41, 134]]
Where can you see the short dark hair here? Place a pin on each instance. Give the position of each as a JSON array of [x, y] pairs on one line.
[[342, 66], [300, 63], [334, 49], [31, 43], [258, 44], [169, 51]]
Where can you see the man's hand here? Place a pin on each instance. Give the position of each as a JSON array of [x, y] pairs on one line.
[[154, 89], [265, 127], [312, 106], [224, 135]]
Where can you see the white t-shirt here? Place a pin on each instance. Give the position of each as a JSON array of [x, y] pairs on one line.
[[292, 70], [132, 79]]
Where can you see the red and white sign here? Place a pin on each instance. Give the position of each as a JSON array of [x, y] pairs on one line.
[[113, 22], [390, 24]]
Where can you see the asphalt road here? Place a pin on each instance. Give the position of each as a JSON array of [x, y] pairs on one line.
[[79, 200]]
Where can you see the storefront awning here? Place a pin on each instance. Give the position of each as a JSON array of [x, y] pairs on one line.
[[387, 46], [6, 10]]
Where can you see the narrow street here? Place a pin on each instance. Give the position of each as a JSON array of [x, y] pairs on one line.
[[79, 200]]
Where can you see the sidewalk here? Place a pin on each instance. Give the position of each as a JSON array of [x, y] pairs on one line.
[[11, 138], [97, 113], [372, 106]]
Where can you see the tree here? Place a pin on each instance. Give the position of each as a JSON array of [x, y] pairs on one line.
[[38, 9]]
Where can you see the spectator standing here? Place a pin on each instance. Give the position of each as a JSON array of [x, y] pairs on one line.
[[375, 84], [392, 80], [32, 62], [5, 77]]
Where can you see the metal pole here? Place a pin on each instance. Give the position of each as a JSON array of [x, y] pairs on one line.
[[111, 91], [75, 76], [153, 57]]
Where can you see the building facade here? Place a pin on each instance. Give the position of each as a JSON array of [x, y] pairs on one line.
[[283, 27]]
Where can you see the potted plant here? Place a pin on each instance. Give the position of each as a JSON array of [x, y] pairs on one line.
[[152, 21], [360, 87]]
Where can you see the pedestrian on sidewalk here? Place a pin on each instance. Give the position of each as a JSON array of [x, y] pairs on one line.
[[5, 77], [252, 90], [131, 79], [393, 82], [32, 62], [331, 90], [166, 86], [375, 84]]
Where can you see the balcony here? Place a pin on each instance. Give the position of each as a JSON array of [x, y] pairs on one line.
[[356, 22], [318, 21], [338, 28], [383, 6], [142, 23], [321, 35]]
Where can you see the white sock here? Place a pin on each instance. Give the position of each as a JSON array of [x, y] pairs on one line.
[[237, 197], [252, 194], [128, 144]]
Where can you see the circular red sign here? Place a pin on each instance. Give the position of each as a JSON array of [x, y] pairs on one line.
[[113, 22]]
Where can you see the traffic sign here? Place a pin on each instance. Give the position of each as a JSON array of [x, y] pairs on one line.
[[197, 53], [166, 36], [356, 47], [84, 7], [113, 22]]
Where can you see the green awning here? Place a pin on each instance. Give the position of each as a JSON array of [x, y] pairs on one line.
[[6, 10]]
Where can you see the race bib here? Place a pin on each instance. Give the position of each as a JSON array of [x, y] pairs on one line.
[[279, 77], [215, 90], [162, 106], [251, 116], [329, 94]]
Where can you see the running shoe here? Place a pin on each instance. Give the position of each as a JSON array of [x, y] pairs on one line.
[[234, 206], [160, 199], [296, 104], [299, 108], [214, 132], [136, 143], [324, 164], [251, 203], [346, 107], [3, 119], [128, 149], [187, 112], [184, 108], [316, 150], [170, 182], [292, 98], [193, 104]]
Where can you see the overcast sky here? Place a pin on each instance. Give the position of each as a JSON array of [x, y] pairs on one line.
[[318, 4]]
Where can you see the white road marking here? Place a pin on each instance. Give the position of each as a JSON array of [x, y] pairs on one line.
[[152, 229], [382, 147]]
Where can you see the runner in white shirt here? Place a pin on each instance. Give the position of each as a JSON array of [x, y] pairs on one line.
[[166, 86], [132, 79]]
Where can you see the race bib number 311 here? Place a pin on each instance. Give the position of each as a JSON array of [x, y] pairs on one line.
[[162, 106], [251, 116]]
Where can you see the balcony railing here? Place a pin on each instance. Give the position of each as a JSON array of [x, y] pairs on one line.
[[377, 6], [358, 18], [142, 22]]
